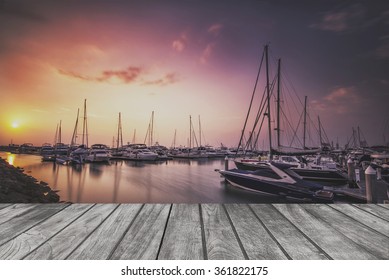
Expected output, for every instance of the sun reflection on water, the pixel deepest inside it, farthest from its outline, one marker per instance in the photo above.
(10, 158)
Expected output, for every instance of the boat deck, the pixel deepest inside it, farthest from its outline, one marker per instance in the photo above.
(194, 231)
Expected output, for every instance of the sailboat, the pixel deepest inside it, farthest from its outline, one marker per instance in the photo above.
(79, 152)
(269, 176)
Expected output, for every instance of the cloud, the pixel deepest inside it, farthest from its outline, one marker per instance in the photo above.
(207, 52)
(169, 78)
(342, 100)
(346, 19)
(215, 29)
(125, 76)
(180, 44)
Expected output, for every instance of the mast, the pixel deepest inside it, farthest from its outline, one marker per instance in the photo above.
(318, 118)
(59, 132)
(119, 138)
(305, 121)
(278, 103)
(85, 128)
(56, 135)
(268, 101)
(174, 139)
(359, 136)
(200, 130)
(152, 128)
(190, 132)
(74, 137)
(133, 137)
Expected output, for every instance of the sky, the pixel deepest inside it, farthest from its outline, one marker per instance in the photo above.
(192, 58)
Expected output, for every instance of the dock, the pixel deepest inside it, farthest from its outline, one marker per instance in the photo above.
(194, 231)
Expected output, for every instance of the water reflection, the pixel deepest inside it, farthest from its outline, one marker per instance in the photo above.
(10, 158)
(175, 181)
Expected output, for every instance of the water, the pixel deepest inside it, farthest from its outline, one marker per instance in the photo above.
(174, 181)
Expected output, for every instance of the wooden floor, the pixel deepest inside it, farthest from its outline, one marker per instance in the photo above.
(194, 231)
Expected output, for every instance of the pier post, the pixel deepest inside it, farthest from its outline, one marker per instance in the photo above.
(351, 170)
(226, 163)
(379, 174)
(370, 178)
(357, 175)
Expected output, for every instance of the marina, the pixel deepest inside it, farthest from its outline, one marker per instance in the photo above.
(194, 231)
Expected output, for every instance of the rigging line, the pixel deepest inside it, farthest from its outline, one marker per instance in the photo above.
(251, 102)
(291, 127)
(263, 118)
(259, 113)
(296, 130)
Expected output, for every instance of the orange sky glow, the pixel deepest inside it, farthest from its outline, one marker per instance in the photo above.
(138, 58)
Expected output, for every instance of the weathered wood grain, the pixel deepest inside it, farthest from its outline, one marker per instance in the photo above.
(144, 237)
(62, 244)
(374, 209)
(335, 244)
(182, 240)
(384, 205)
(363, 217)
(362, 235)
(15, 210)
(28, 241)
(100, 244)
(293, 241)
(221, 242)
(4, 205)
(26, 220)
(258, 244)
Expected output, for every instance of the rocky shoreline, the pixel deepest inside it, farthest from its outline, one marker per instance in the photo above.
(17, 187)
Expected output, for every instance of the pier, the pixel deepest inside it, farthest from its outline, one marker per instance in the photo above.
(194, 231)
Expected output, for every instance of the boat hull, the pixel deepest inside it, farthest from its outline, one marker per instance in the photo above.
(247, 181)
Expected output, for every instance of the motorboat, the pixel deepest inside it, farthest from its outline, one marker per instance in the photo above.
(277, 179)
(324, 172)
(98, 153)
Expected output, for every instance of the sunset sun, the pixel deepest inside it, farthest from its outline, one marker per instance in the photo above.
(15, 124)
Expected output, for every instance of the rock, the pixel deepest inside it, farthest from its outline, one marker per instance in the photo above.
(17, 187)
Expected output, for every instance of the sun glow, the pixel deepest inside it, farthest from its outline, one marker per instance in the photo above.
(15, 124)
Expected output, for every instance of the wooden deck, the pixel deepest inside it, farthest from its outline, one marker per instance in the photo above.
(194, 231)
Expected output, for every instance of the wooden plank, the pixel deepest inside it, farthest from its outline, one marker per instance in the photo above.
(182, 240)
(258, 244)
(26, 220)
(384, 205)
(377, 210)
(363, 217)
(144, 237)
(335, 244)
(362, 235)
(15, 210)
(221, 242)
(4, 205)
(293, 242)
(28, 241)
(100, 244)
(68, 239)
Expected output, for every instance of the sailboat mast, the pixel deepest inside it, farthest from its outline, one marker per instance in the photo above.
(59, 132)
(320, 139)
(152, 129)
(74, 137)
(190, 131)
(278, 103)
(305, 121)
(85, 128)
(200, 130)
(268, 101)
(119, 132)
(133, 137)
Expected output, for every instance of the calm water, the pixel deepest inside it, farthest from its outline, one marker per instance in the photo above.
(174, 181)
